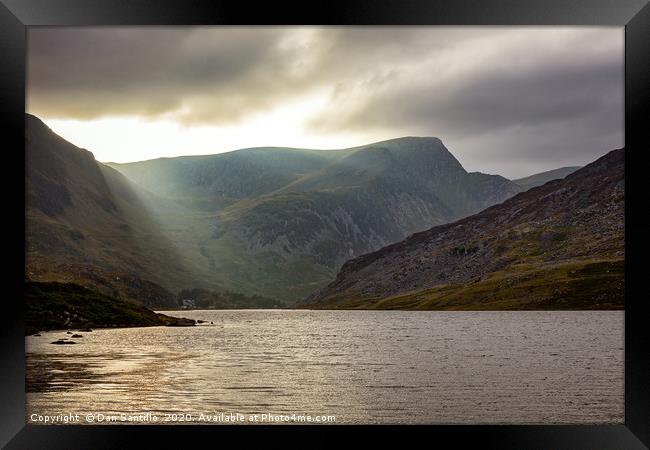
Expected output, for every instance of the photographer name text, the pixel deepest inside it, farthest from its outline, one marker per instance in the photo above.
(149, 417)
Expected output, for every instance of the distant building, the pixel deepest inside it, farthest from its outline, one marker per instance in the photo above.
(187, 303)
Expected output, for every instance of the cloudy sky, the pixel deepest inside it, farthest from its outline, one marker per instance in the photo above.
(506, 100)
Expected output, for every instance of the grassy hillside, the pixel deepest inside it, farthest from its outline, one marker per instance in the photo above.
(588, 284)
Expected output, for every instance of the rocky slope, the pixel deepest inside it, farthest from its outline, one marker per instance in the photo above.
(559, 245)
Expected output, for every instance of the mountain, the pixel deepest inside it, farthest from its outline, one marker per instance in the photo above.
(210, 182)
(87, 223)
(556, 246)
(541, 178)
(279, 222)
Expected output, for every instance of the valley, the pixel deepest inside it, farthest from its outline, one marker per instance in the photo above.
(273, 223)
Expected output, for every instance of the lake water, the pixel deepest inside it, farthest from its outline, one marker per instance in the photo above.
(359, 366)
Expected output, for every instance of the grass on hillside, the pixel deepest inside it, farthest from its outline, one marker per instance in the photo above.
(574, 285)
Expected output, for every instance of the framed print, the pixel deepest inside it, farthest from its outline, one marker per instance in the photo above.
(389, 217)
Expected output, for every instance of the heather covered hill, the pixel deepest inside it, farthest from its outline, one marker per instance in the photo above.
(556, 246)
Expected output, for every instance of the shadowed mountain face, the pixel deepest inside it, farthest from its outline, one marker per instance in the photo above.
(280, 222)
(556, 246)
(87, 223)
(541, 178)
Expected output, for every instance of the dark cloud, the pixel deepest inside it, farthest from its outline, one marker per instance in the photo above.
(492, 93)
(88, 73)
(513, 102)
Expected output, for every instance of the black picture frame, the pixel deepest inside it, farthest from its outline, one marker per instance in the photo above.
(634, 15)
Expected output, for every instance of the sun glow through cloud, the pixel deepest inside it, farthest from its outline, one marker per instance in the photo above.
(126, 139)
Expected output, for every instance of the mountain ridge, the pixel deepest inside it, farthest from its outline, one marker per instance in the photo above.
(538, 179)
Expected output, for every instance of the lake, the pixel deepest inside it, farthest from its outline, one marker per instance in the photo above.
(384, 367)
